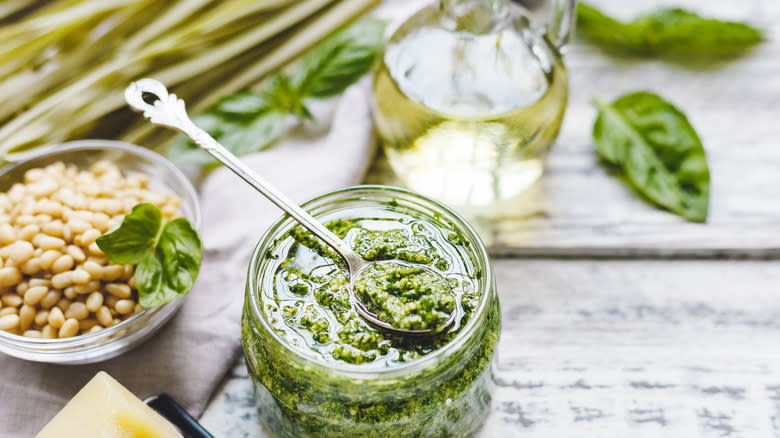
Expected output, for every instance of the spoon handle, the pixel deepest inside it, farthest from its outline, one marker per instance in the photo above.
(168, 110)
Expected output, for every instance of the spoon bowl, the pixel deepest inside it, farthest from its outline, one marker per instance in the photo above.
(150, 97)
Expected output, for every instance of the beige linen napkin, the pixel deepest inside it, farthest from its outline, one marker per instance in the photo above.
(189, 356)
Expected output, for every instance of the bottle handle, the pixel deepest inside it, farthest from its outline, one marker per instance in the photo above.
(557, 17)
(562, 25)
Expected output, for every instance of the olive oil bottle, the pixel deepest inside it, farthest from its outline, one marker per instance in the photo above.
(468, 100)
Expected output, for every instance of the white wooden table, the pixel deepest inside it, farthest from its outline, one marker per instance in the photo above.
(620, 320)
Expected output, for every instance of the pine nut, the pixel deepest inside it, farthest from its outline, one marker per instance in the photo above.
(47, 242)
(12, 300)
(54, 228)
(75, 252)
(32, 334)
(7, 234)
(26, 316)
(30, 267)
(19, 252)
(119, 290)
(69, 292)
(95, 328)
(35, 294)
(42, 317)
(94, 301)
(103, 315)
(9, 311)
(9, 322)
(78, 226)
(113, 272)
(83, 289)
(48, 258)
(9, 276)
(63, 304)
(28, 232)
(56, 317)
(86, 324)
(48, 332)
(80, 276)
(69, 328)
(50, 299)
(94, 269)
(62, 280)
(124, 307)
(77, 310)
(62, 264)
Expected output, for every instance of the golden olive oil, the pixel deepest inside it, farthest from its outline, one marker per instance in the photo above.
(468, 118)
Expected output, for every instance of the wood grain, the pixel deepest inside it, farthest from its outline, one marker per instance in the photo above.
(579, 209)
(617, 349)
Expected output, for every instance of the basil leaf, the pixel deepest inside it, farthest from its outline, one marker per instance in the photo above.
(168, 255)
(658, 150)
(181, 253)
(153, 289)
(673, 32)
(243, 103)
(136, 237)
(339, 60)
(171, 271)
(240, 137)
(256, 135)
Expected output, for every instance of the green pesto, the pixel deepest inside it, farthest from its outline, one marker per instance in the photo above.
(406, 297)
(309, 310)
(311, 299)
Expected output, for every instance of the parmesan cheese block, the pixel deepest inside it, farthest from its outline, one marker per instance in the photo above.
(105, 409)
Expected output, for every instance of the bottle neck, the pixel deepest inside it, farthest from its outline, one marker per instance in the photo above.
(475, 16)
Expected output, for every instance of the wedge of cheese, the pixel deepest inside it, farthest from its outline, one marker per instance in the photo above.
(105, 409)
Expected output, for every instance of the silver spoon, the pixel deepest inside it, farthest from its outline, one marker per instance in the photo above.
(168, 110)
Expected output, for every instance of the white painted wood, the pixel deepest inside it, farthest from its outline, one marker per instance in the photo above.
(617, 349)
(578, 209)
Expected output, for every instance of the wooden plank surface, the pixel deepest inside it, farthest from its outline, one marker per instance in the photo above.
(617, 349)
(578, 209)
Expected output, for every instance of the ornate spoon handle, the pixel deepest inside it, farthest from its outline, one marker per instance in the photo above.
(168, 110)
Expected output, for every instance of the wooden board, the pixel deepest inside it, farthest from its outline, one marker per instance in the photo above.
(617, 349)
(578, 209)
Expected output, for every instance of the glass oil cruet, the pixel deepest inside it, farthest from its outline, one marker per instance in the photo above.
(470, 95)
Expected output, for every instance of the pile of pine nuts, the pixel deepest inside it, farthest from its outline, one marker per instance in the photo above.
(54, 280)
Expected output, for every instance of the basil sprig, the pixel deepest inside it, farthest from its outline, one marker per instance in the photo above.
(656, 147)
(249, 121)
(167, 253)
(674, 33)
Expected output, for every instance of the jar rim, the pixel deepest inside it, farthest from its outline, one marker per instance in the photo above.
(360, 372)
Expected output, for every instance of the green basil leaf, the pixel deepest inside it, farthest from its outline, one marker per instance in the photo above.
(256, 135)
(136, 237)
(339, 60)
(242, 138)
(658, 150)
(243, 103)
(153, 289)
(673, 32)
(181, 252)
(171, 271)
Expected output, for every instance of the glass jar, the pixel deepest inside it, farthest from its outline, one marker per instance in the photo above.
(469, 97)
(444, 393)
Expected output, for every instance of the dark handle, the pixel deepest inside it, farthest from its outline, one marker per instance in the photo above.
(173, 412)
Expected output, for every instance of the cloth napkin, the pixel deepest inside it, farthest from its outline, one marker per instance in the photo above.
(188, 357)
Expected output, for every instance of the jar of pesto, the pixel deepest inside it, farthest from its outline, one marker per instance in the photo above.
(321, 371)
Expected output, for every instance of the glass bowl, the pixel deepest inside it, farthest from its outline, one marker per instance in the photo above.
(114, 340)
